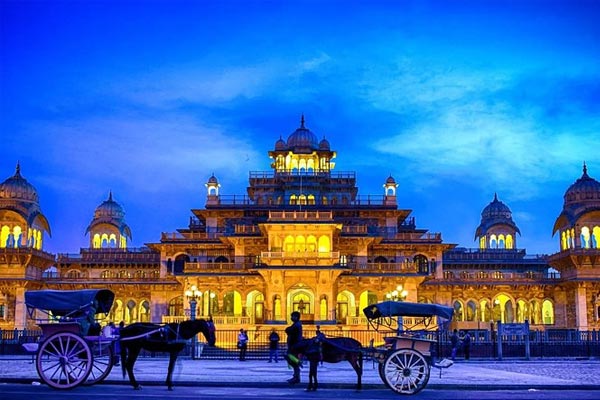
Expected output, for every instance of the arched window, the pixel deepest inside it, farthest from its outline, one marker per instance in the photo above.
(324, 244)
(96, 241)
(485, 311)
(548, 312)
(74, 274)
(482, 242)
(323, 309)
(509, 242)
(421, 262)
(144, 311)
(596, 237)
(176, 306)
(301, 303)
(4, 236)
(180, 261)
(585, 237)
(471, 311)
(131, 312)
(493, 242)
(288, 244)
(458, 311)
(17, 235)
(501, 242)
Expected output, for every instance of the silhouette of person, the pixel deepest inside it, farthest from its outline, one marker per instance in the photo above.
(294, 335)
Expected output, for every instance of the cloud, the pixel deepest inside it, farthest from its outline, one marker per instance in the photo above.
(146, 155)
(216, 86)
(497, 130)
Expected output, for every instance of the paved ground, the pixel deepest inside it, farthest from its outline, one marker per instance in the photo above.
(559, 373)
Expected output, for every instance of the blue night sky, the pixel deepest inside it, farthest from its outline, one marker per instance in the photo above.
(456, 100)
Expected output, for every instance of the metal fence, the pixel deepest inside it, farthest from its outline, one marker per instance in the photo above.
(484, 343)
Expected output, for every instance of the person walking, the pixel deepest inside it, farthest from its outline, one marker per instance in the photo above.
(454, 341)
(242, 344)
(273, 346)
(294, 335)
(466, 342)
(320, 338)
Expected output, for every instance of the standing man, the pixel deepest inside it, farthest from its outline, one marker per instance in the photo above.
(242, 344)
(273, 346)
(467, 345)
(294, 335)
(454, 342)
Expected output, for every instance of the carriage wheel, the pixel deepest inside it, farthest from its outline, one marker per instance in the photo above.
(64, 360)
(405, 371)
(103, 353)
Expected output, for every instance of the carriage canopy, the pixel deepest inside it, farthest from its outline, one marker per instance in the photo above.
(66, 302)
(405, 309)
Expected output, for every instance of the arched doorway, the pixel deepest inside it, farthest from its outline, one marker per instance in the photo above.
(301, 299)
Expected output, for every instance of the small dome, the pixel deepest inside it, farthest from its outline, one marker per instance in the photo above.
(584, 188)
(581, 197)
(17, 187)
(280, 144)
(213, 179)
(303, 138)
(111, 213)
(391, 180)
(495, 213)
(324, 145)
(109, 209)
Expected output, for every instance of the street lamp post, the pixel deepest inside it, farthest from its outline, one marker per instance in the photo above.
(399, 294)
(193, 294)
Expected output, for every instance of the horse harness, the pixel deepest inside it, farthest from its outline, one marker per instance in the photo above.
(163, 331)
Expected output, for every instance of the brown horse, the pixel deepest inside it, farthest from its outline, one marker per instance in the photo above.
(170, 338)
(331, 350)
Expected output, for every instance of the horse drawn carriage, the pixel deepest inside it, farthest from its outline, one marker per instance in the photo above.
(71, 350)
(405, 359)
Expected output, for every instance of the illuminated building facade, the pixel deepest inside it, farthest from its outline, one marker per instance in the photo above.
(302, 239)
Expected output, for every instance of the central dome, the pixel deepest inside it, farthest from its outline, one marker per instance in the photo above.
(303, 138)
(17, 187)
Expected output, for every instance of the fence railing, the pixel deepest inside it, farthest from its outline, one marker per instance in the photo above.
(549, 344)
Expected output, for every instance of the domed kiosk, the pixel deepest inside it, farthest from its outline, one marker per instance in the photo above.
(108, 228)
(22, 223)
(579, 221)
(497, 229)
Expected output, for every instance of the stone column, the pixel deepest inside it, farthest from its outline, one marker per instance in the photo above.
(581, 307)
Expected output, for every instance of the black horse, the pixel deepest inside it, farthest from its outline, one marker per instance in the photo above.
(331, 350)
(170, 338)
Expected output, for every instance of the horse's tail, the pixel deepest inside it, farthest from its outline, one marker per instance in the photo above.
(123, 357)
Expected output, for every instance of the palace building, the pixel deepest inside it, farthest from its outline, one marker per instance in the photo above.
(302, 239)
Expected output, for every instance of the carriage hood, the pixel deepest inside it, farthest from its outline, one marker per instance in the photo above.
(405, 309)
(64, 302)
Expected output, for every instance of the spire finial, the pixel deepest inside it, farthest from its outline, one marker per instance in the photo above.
(18, 168)
(302, 121)
(495, 196)
(110, 195)
(584, 168)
